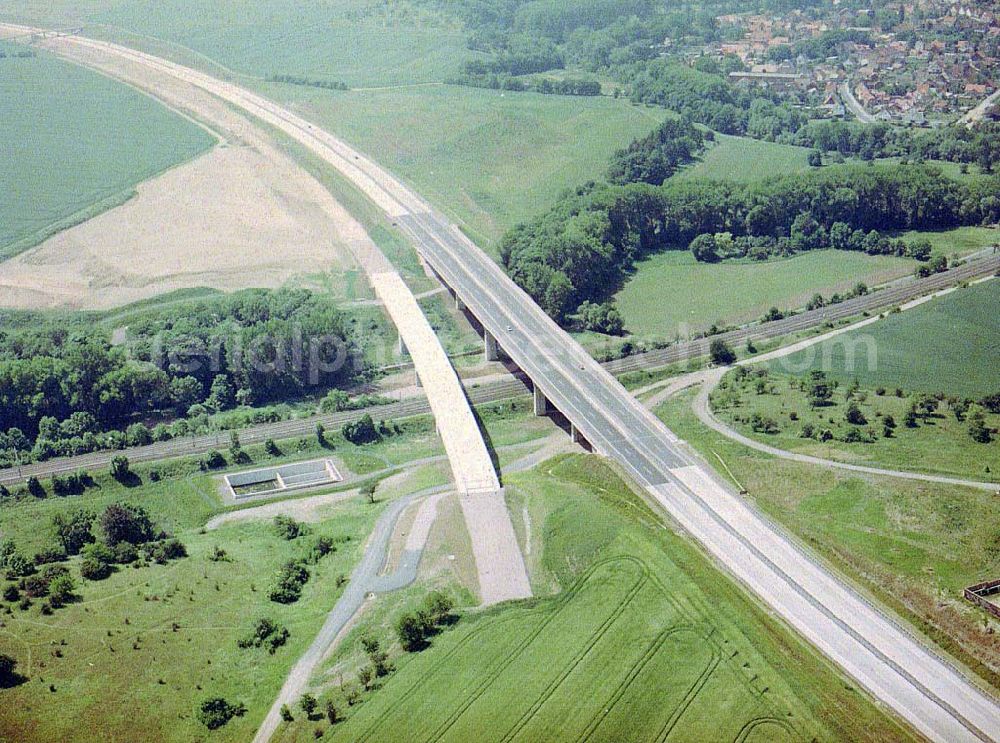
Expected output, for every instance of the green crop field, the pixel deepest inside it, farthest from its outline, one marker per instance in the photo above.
(671, 292)
(743, 160)
(339, 40)
(915, 545)
(948, 345)
(487, 158)
(98, 140)
(644, 642)
(939, 443)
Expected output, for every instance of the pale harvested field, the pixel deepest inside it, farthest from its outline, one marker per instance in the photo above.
(242, 215)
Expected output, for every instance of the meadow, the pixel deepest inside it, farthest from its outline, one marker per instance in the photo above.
(98, 141)
(641, 640)
(671, 292)
(958, 242)
(946, 345)
(743, 160)
(164, 636)
(913, 545)
(938, 443)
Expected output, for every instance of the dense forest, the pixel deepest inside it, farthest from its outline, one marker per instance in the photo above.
(65, 389)
(582, 249)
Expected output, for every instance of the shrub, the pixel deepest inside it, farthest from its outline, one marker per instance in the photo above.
(73, 530)
(720, 352)
(213, 460)
(50, 555)
(121, 469)
(362, 431)
(93, 569)
(216, 712)
(61, 589)
(35, 487)
(854, 416)
(288, 528)
(286, 714)
(288, 585)
(308, 704)
(7, 670)
(125, 522)
(266, 633)
(271, 448)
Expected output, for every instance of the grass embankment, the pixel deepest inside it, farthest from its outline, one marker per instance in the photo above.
(938, 442)
(642, 640)
(99, 139)
(487, 158)
(946, 345)
(915, 545)
(672, 293)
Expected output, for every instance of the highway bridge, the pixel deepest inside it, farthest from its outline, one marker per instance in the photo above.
(937, 699)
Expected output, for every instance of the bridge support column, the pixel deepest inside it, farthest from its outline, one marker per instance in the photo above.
(575, 436)
(401, 347)
(541, 404)
(459, 304)
(490, 344)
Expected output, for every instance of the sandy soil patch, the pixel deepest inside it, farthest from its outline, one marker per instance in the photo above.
(244, 214)
(311, 510)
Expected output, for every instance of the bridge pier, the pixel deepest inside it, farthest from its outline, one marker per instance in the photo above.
(491, 347)
(575, 436)
(459, 304)
(541, 403)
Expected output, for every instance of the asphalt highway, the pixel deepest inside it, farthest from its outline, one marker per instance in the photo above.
(925, 689)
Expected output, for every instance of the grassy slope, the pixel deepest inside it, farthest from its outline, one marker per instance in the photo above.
(915, 545)
(672, 292)
(487, 158)
(636, 598)
(940, 444)
(947, 345)
(99, 139)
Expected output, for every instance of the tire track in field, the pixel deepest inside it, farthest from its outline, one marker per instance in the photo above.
(654, 647)
(575, 661)
(564, 601)
(481, 689)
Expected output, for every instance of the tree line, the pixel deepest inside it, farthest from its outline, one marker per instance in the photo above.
(65, 389)
(582, 249)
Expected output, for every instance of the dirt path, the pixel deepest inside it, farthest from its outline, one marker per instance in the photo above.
(311, 510)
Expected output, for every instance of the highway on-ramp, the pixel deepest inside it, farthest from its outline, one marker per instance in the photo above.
(924, 689)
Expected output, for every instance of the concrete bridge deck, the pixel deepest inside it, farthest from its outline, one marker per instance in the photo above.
(470, 460)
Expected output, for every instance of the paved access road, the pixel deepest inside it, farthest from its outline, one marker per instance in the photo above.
(847, 95)
(888, 661)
